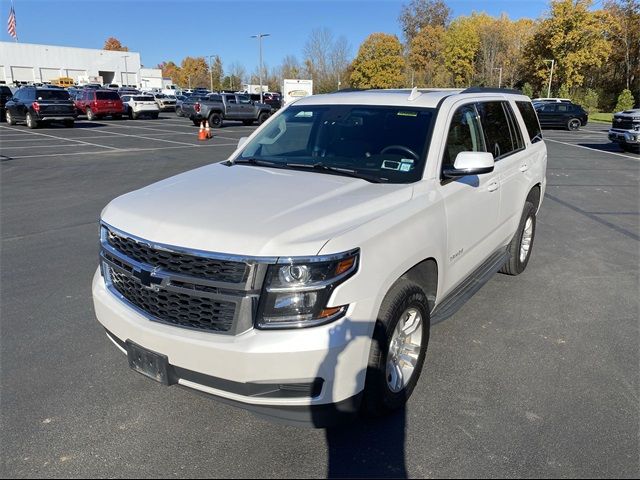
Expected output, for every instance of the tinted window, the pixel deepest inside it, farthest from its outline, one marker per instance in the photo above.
(530, 120)
(144, 98)
(465, 135)
(214, 98)
(52, 95)
(496, 128)
(244, 99)
(107, 96)
(563, 108)
(517, 141)
(231, 99)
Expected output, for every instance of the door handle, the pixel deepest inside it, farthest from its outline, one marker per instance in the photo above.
(524, 167)
(493, 186)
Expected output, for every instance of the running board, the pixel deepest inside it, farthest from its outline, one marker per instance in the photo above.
(469, 287)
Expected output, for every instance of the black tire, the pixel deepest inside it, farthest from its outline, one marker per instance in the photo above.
(215, 120)
(117, 117)
(31, 122)
(9, 118)
(179, 112)
(134, 115)
(69, 123)
(262, 118)
(516, 264)
(130, 113)
(378, 398)
(90, 115)
(574, 124)
(247, 123)
(155, 116)
(196, 122)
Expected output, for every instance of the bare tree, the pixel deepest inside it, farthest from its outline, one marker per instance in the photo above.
(326, 59)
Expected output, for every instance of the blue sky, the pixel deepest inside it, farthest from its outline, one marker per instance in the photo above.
(172, 29)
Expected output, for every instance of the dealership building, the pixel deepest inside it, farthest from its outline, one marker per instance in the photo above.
(31, 63)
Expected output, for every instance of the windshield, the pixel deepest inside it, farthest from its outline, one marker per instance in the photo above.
(144, 98)
(387, 144)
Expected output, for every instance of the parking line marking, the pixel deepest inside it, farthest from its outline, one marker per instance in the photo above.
(592, 149)
(154, 139)
(65, 139)
(41, 146)
(122, 150)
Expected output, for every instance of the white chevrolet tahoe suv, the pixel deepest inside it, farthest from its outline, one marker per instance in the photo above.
(300, 278)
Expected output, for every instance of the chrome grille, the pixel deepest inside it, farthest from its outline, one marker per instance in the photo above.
(184, 264)
(624, 123)
(186, 288)
(190, 311)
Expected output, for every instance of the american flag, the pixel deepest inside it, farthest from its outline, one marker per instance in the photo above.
(11, 23)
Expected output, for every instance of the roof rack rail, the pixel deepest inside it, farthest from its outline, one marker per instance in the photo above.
(491, 90)
(346, 90)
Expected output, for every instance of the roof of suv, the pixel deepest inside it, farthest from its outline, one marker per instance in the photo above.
(426, 98)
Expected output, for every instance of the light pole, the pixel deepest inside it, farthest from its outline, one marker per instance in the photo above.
(126, 70)
(210, 57)
(499, 78)
(259, 37)
(553, 62)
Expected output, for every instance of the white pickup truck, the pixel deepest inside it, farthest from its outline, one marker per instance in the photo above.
(300, 278)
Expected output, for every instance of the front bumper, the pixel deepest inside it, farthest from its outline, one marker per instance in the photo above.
(625, 136)
(244, 369)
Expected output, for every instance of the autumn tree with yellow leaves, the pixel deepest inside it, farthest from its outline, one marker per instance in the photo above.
(379, 63)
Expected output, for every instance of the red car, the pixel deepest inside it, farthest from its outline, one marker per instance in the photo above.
(96, 104)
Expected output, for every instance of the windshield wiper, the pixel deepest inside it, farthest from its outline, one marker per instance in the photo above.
(254, 161)
(347, 172)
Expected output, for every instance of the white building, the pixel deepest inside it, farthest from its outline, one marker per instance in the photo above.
(151, 78)
(26, 62)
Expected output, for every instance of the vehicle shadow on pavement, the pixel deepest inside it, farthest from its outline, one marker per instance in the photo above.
(357, 446)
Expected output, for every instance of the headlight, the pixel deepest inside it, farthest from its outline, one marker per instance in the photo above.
(296, 291)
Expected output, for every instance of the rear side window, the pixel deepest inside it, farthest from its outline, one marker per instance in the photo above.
(107, 96)
(530, 120)
(496, 128)
(514, 128)
(465, 135)
(215, 98)
(52, 95)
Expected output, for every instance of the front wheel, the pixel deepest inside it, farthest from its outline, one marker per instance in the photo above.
(179, 112)
(521, 245)
(398, 349)
(574, 124)
(90, 115)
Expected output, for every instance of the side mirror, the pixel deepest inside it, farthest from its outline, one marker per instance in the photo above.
(470, 163)
(242, 142)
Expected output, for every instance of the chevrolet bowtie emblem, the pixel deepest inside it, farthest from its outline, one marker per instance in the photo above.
(147, 279)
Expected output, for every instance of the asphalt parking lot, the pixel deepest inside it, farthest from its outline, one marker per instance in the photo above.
(537, 376)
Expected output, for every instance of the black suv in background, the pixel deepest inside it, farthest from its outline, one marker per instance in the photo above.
(562, 114)
(36, 105)
(5, 95)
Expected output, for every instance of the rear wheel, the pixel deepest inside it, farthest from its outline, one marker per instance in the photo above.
(69, 123)
(215, 120)
(522, 243)
(262, 118)
(31, 122)
(10, 119)
(196, 122)
(398, 349)
(574, 124)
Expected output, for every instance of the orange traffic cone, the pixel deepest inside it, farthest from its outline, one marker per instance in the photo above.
(207, 129)
(202, 135)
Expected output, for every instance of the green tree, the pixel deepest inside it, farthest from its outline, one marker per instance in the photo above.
(217, 73)
(625, 33)
(527, 90)
(625, 101)
(461, 50)
(379, 63)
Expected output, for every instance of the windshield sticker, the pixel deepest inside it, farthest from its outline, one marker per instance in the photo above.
(407, 114)
(406, 165)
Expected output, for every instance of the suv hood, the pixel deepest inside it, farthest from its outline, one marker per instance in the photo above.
(255, 211)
